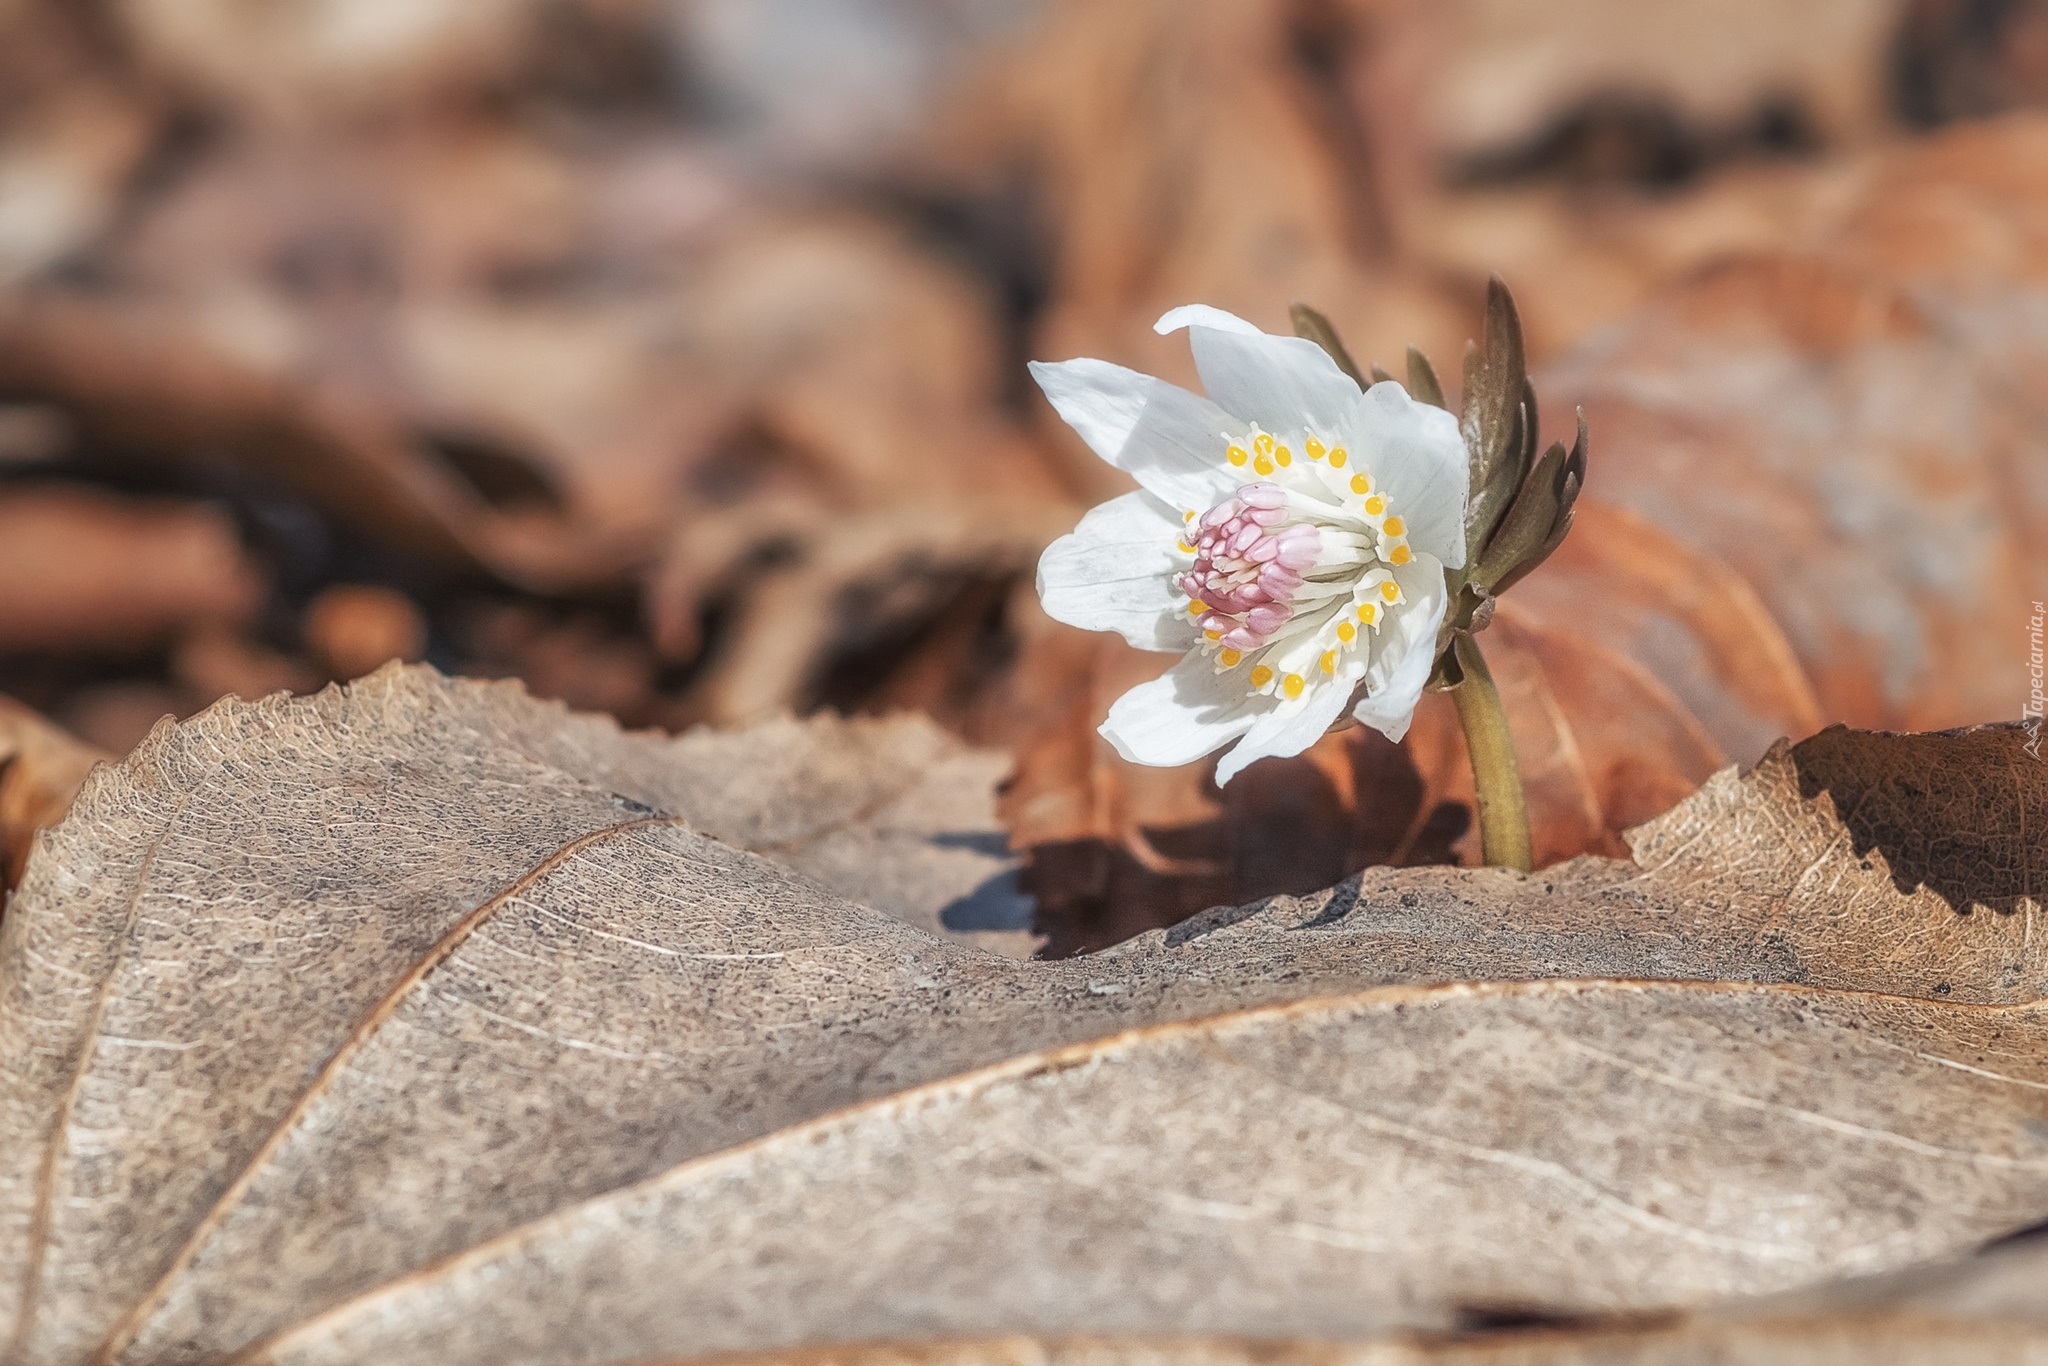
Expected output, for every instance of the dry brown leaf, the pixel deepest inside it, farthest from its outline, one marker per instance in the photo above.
(41, 768)
(1856, 430)
(1020, 1350)
(297, 62)
(458, 963)
(577, 370)
(1579, 261)
(352, 629)
(1311, 163)
(1241, 176)
(71, 135)
(838, 585)
(215, 664)
(86, 571)
(142, 390)
(1952, 64)
(1681, 615)
(1963, 213)
(116, 716)
(648, 338)
(1985, 1310)
(1343, 1167)
(1509, 70)
(1602, 745)
(1113, 848)
(1899, 1338)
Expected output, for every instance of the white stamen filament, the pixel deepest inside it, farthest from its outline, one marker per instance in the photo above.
(1283, 562)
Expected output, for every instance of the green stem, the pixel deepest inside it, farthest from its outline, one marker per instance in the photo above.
(1503, 810)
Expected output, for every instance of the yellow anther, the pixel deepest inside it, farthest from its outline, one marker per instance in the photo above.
(1236, 455)
(1196, 607)
(1394, 526)
(1329, 661)
(1282, 456)
(1346, 632)
(1360, 483)
(1313, 447)
(1375, 505)
(1261, 676)
(1263, 463)
(1230, 658)
(1337, 458)
(1294, 683)
(1367, 611)
(1185, 548)
(1391, 591)
(1400, 554)
(1213, 635)
(1263, 444)
(1188, 516)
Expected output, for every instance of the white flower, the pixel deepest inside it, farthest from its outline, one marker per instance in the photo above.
(1290, 534)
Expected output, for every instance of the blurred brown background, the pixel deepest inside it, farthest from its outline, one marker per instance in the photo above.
(668, 354)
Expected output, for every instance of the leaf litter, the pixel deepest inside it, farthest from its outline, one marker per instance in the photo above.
(420, 1020)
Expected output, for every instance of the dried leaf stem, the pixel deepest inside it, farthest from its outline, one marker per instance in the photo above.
(1503, 810)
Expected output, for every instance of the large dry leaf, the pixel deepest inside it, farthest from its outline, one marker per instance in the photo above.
(307, 996)
(1337, 1168)
(1984, 1311)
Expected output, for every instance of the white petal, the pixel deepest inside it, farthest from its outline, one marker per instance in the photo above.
(1189, 711)
(1284, 384)
(1169, 440)
(1417, 458)
(1288, 730)
(1405, 651)
(1114, 572)
(1202, 315)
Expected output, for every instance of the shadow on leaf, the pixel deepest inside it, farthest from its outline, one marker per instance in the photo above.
(1958, 812)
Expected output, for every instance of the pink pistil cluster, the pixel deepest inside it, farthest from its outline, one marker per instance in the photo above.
(1249, 560)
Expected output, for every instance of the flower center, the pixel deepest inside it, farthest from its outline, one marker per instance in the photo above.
(1293, 571)
(1249, 562)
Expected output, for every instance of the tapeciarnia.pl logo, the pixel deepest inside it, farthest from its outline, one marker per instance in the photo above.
(2033, 713)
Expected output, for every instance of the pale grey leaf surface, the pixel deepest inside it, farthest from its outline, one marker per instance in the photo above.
(308, 996)
(1336, 1169)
